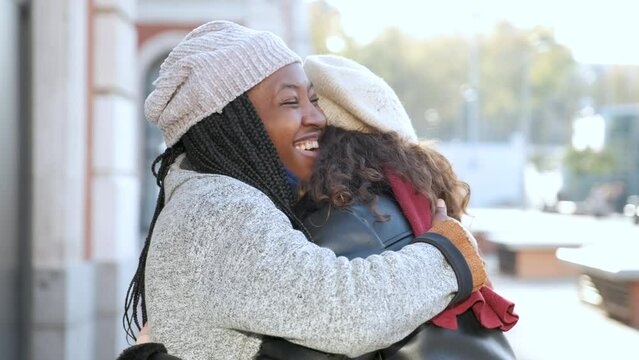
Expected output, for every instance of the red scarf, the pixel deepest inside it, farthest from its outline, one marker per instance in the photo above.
(492, 310)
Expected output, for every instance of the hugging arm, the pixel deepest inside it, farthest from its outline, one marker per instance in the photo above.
(249, 266)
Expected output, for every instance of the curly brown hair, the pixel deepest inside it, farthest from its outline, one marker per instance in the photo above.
(351, 165)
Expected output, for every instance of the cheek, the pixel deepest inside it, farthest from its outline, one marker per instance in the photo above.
(282, 127)
(284, 151)
(281, 136)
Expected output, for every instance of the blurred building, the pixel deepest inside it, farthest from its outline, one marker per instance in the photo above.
(76, 158)
(605, 156)
(493, 170)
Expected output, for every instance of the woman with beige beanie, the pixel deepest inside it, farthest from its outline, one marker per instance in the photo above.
(227, 259)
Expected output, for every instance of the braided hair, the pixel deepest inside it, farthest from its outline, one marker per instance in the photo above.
(232, 143)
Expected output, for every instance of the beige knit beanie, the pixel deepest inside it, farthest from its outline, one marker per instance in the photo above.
(354, 98)
(213, 65)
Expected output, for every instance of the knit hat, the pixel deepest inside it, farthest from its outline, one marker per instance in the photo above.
(354, 98)
(213, 65)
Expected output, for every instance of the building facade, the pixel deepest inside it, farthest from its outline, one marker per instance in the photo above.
(75, 182)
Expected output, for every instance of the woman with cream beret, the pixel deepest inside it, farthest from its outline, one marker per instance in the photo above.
(378, 183)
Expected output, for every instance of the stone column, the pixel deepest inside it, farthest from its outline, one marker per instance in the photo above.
(63, 296)
(85, 180)
(115, 179)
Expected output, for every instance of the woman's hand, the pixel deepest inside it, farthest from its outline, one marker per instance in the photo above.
(441, 213)
(143, 337)
(463, 240)
(145, 349)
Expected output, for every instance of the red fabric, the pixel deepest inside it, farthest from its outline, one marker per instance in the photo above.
(492, 310)
(415, 206)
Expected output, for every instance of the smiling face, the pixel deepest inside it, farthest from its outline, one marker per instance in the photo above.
(287, 104)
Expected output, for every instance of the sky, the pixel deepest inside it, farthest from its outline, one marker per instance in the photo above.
(597, 31)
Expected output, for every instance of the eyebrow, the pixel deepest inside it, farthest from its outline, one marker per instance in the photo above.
(294, 87)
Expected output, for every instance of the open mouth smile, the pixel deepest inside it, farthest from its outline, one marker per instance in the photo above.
(307, 145)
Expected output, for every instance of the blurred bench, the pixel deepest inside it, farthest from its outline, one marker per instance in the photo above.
(531, 255)
(610, 277)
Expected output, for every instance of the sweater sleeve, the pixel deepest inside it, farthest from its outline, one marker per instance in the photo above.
(238, 258)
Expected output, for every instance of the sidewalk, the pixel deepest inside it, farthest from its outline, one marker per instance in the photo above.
(554, 324)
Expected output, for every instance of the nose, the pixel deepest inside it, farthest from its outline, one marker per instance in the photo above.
(314, 117)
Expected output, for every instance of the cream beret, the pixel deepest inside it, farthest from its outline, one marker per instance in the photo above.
(354, 98)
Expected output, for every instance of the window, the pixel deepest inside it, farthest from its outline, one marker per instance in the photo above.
(153, 146)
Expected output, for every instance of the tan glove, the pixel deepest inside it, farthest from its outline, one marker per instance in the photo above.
(463, 240)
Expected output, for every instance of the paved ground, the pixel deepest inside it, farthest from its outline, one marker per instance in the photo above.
(554, 324)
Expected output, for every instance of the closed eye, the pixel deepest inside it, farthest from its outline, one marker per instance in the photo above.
(290, 102)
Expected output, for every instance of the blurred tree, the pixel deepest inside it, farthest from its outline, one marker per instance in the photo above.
(427, 76)
(503, 64)
(590, 162)
(520, 63)
(326, 25)
(614, 85)
(430, 76)
(556, 89)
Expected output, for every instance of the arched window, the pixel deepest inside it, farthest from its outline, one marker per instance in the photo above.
(154, 145)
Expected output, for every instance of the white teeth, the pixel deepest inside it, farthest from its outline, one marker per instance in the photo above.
(307, 145)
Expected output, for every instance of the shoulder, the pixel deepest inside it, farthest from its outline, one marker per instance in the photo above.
(203, 201)
(213, 214)
(355, 231)
(190, 189)
(186, 182)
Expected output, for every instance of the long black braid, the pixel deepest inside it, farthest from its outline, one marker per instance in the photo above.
(135, 292)
(234, 143)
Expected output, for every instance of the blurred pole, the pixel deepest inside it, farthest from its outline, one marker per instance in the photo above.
(610, 91)
(525, 99)
(472, 98)
(525, 117)
(15, 180)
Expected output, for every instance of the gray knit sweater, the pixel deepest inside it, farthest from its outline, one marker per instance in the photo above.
(225, 265)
